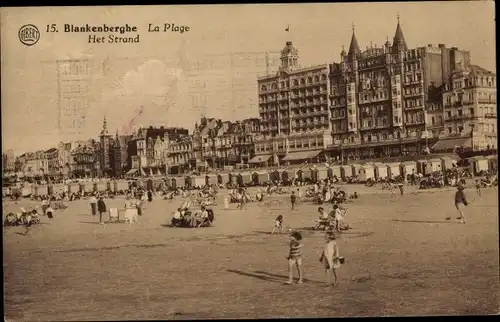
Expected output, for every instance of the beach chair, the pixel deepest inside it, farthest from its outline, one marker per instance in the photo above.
(114, 215)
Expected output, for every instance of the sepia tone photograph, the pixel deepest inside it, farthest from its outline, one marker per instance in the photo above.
(249, 161)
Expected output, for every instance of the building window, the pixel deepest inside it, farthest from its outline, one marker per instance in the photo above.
(449, 130)
(433, 121)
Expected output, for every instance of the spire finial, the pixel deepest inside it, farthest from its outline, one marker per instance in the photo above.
(398, 17)
(353, 27)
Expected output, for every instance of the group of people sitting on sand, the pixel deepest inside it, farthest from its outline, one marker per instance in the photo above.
(184, 217)
(332, 220)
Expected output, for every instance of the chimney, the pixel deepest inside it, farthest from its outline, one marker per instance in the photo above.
(454, 48)
(441, 46)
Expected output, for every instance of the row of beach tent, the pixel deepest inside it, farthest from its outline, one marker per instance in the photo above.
(315, 173)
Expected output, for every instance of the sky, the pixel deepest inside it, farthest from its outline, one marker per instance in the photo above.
(210, 70)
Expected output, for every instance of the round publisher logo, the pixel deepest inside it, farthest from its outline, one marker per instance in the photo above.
(29, 35)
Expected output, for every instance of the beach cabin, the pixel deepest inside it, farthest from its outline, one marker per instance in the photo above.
(319, 173)
(199, 181)
(304, 174)
(393, 169)
(345, 171)
(222, 178)
(408, 167)
(211, 179)
(447, 163)
(274, 175)
(478, 164)
(245, 178)
(73, 187)
(260, 177)
(41, 190)
(86, 187)
(335, 170)
(60, 188)
(422, 166)
(121, 185)
(355, 169)
(433, 165)
(380, 170)
(492, 163)
(284, 175)
(173, 183)
(188, 182)
(366, 172)
(101, 186)
(233, 178)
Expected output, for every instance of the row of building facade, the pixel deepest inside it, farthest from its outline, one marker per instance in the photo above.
(149, 151)
(381, 101)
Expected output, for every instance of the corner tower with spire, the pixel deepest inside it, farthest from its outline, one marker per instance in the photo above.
(399, 42)
(106, 151)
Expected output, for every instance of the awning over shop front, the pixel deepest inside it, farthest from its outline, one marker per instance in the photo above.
(305, 155)
(451, 143)
(260, 159)
(132, 171)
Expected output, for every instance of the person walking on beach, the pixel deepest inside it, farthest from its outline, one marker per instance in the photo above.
(93, 205)
(478, 188)
(330, 257)
(150, 195)
(401, 187)
(295, 257)
(293, 199)
(101, 207)
(460, 203)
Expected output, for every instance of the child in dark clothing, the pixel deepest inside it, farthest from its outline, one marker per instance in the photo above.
(101, 207)
(293, 199)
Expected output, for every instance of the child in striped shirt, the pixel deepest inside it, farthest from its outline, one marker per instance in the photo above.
(295, 257)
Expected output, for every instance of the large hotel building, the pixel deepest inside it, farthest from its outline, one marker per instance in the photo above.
(378, 102)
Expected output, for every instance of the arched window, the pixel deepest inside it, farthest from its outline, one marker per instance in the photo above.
(316, 78)
(302, 81)
(309, 80)
(295, 82)
(263, 88)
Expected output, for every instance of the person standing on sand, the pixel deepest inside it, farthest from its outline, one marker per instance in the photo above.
(93, 205)
(295, 257)
(478, 188)
(293, 200)
(101, 207)
(401, 187)
(330, 257)
(460, 203)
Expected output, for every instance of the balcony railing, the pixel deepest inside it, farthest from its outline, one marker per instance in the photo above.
(338, 117)
(460, 117)
(419, 107)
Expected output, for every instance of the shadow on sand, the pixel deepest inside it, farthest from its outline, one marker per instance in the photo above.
(105, 222)
(265, 276)
(428, 221)
(265, 232)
